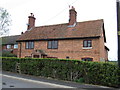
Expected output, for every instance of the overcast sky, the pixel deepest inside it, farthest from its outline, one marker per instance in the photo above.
(48, 12)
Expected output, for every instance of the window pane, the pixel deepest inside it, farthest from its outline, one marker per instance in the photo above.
(89, 43)
(67, 57)
(15, 45)
(52, 44)
(55, 44)
(49, 44)
(85, 43)
(87, 59)
(8, 46)
(83, 59)
(31, 45)
(27, 45)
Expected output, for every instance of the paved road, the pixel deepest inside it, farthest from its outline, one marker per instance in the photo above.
(13, 80)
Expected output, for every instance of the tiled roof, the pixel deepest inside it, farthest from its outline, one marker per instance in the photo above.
(60, 31)
(9, 39)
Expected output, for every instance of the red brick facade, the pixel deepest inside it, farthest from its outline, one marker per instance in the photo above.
(68, 48)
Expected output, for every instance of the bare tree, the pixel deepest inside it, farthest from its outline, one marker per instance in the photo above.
(5, 22)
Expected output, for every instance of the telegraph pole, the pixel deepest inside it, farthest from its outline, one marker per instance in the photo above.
(118, 30)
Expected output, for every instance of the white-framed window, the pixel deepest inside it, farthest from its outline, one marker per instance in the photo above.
(8, 46)
(15, 46)
(87, 43)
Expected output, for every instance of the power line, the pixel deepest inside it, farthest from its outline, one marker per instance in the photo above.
(59, 13)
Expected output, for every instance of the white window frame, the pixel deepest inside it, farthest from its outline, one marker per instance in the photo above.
(8, 46)
(15, 46)
(88, 44)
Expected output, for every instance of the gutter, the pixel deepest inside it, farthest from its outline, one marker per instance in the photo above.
(59, 39)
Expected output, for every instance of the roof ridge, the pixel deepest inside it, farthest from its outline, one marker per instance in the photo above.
(67, 23)
(91, 20)
(10, 36)
(51, 25)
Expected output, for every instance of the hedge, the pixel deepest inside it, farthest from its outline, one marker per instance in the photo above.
(97, 73)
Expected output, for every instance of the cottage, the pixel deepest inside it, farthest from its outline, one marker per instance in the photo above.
(9, 44)
(72, 40)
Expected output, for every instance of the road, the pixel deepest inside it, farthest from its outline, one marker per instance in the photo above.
(13, 80)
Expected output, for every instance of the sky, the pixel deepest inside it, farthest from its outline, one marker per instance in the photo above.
(49, 12)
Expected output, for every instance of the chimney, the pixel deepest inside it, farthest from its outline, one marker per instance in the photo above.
(31, 21)
(72, 16)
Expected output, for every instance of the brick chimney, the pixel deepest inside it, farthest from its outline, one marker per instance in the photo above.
(72, 16)
(31, 21)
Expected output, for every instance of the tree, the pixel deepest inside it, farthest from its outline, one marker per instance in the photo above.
(5, 22)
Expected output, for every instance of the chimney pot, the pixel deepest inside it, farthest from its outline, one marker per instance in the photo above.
(73, 7)
(32, 14)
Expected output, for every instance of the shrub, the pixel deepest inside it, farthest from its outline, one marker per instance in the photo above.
(70, 70)
(8, 54)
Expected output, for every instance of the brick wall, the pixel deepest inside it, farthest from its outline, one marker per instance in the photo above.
(71, 48)
(103, 52)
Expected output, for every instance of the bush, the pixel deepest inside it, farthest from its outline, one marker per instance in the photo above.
(8, 54)
(70, 70)
(9, 64)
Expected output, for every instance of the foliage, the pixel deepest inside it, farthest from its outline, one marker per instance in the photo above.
(70, 70)
(9, 64)
(8, 54)
(113, 62)
(5, 21)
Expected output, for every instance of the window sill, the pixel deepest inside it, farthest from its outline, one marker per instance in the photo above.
(29, 48)
(52, 48)
(87, 48)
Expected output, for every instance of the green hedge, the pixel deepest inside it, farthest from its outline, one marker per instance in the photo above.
(70, 70)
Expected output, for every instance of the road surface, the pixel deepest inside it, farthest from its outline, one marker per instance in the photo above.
(13, 80)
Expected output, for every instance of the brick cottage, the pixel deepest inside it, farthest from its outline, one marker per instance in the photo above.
(9, 44)
(73, 40)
